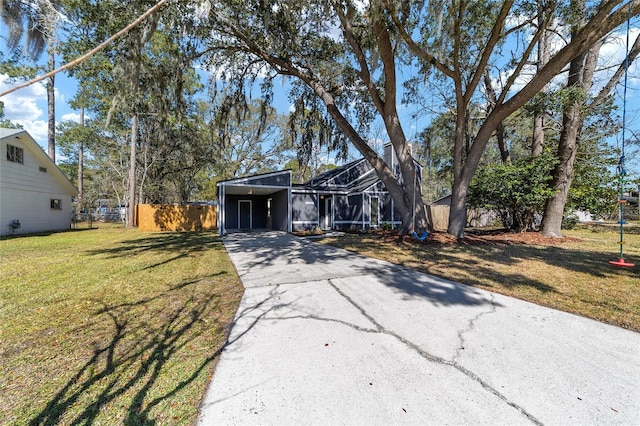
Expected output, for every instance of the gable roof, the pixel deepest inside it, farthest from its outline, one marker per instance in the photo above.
(30, 144)
(344, 177)
(328, 177)
(356, 176)
(257, 178)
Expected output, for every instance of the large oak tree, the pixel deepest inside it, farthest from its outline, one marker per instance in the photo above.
(342, 54)
(460, 39)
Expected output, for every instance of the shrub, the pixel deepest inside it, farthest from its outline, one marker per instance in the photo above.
(570, 221)
(514, 191)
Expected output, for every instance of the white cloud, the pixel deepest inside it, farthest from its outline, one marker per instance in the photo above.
(72, 116)
(22, 104)
(23, 107)
(612, 54)
(28, 107)
(38, 130)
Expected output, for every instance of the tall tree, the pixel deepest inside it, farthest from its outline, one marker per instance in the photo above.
(150, 72)
(353, 73)
(41, 19)
(578, 104)
(247, 142)
(459, 40)
(544, 51)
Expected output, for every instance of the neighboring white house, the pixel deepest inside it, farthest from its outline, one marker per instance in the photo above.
(35, 196)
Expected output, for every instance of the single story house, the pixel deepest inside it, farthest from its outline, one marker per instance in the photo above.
(347, 197)
(35, 196)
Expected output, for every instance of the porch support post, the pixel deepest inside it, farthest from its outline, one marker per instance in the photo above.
(221, 196)
(289, 217)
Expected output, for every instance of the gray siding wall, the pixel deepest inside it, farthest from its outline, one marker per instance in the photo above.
(258, 211)
(280, 210)
(341, 208)
(355, 208)
(304, 207)
(385, 208)
(304, 211)
(231, 211)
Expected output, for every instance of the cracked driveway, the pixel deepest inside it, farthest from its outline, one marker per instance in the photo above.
(323, 336)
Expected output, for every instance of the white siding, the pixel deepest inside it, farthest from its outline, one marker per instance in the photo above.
(26, 194)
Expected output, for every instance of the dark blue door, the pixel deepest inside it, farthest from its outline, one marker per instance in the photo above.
(244, 214)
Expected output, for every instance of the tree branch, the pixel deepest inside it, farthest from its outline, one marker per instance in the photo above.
(414, 47)
(92, 51)
(516, 73)
(613, 81)
(496, 32)
(364, 72)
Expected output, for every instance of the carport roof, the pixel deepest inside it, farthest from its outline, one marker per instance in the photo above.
(251, 190)
(260, 184)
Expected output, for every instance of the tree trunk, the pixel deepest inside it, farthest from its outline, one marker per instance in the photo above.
(505, 156)
(458, 209)
(51, 104)
(80, 203)
(581, 73)
(132, 173)
(537, 143)
(563, 173)
(538, 134)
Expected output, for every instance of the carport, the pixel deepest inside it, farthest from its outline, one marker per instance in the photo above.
(258, 202)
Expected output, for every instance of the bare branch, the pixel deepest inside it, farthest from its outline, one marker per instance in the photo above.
(364, 72)
(613, 81)
(91, 52)
(415, 48)
(496, 32)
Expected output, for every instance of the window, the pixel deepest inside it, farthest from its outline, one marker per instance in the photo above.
(43, 169)
(15, 154)
(56, 204)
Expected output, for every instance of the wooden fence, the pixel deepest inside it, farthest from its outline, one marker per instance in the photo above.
(163, 217)
(438, 216)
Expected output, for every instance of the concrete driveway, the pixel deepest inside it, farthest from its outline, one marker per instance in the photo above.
(323, 336)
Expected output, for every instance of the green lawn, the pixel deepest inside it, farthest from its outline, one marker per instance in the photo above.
(573, 275)
(111, 326)
(114, 326)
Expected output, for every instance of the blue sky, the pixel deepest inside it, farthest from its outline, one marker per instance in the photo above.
(28, 106)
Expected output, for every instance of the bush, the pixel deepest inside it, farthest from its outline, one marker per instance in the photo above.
(386, 226)
(516, 192)
(570, 221)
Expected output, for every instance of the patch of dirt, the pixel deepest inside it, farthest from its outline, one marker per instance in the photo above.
(484, 238)
(308, 232)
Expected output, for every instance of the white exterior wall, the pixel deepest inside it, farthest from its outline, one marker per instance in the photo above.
(26, 192)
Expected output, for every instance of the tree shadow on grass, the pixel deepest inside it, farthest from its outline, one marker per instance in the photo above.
(566, 277)
(146, 353)
(179, 244)
(592, 263)
(479, 261)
